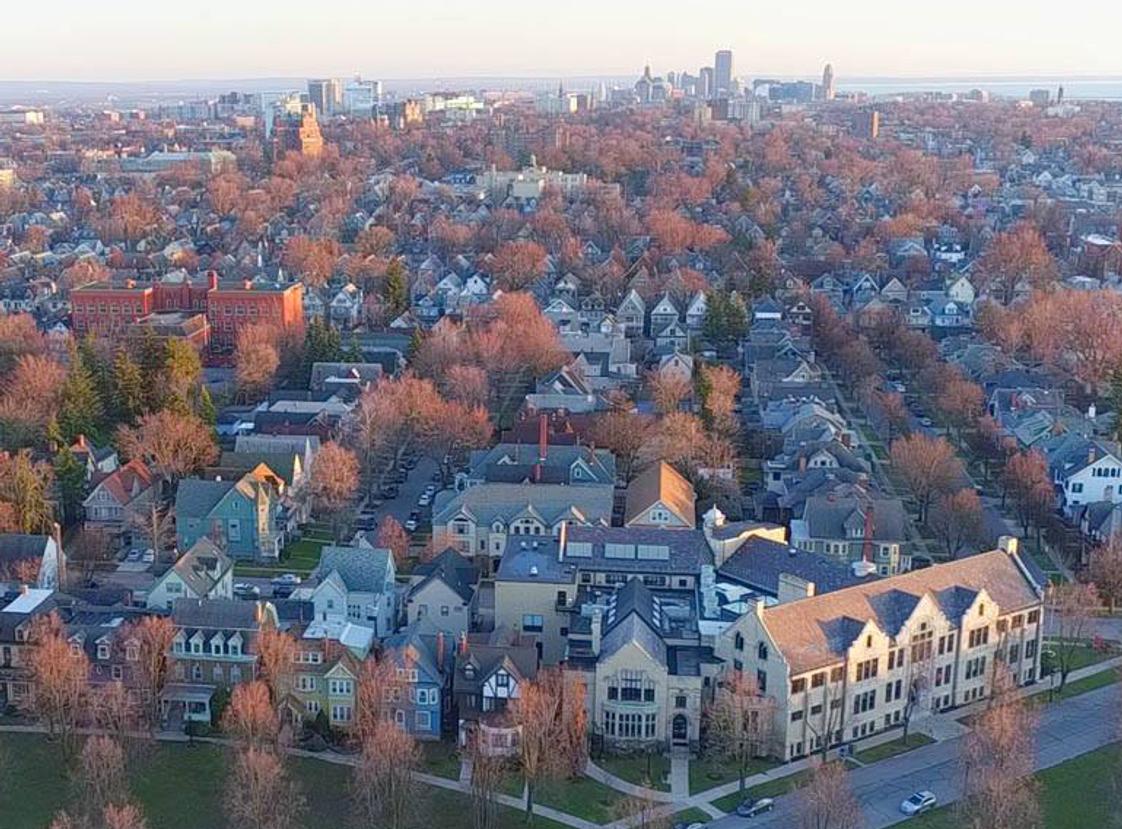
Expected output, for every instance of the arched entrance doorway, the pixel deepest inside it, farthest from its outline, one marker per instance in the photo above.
(680, 729)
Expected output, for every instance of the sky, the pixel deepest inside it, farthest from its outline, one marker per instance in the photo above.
(131, 40)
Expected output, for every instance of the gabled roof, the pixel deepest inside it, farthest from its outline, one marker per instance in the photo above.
(452, 569)
(362, 569)
(661, 483)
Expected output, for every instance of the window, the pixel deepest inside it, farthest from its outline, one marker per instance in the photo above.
(311, 706)
(680, 701)
(816, 709)
(305, 682)
(761, 681)
(798, 685)
(502, 679)
(341, 713)
(102, 650)
(532, 623)
(796, 716)
(979, 636)
(423, 720)
(738, 641)
(975, 667)
(867, 669)
(340, 687)
(818, 680)
(865, 702)
(1030, 649)
(1033, 617)
(117, 672)
(132, 653)
(761, 651)
(837, 674)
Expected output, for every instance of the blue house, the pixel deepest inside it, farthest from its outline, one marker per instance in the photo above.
(423, 658)
(242, 516)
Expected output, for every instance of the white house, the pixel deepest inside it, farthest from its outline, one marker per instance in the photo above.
(203, 572)
(354, 584)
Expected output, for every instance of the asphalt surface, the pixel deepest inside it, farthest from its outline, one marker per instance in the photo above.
(1066, 730)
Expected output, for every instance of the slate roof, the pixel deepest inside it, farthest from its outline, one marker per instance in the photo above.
(760, 561)
(451, 568)
(203, 566)
(502, 501)
(195, 497)
(816, 631)
(362, 569)
(686, 550)
(826, 517)
(17, 547)
(215, 614)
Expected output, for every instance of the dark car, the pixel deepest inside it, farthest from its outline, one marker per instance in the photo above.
(752, 806)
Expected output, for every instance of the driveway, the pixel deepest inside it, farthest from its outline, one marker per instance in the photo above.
(1066, 730)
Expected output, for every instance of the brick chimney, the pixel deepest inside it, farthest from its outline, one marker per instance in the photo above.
(543, 447)
(463, 643)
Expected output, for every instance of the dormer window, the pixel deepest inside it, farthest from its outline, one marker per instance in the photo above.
(102, 650)
(469, 671)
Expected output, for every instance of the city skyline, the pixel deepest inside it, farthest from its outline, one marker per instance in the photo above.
(860, 39)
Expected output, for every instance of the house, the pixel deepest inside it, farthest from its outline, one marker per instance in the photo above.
(328, 667)
(863, 659)
(478, 521)
(672, 337)
(678, 364)
(422, 657)
(1084, 470)
(489, 670)
(443, 590)
(664, 313)
(544, 463)
(215, 647)
(355, 584)
(632, 313)
(97, 460)
(645, 668)
(242, 516)
(31, 559)
(120, 496)
(19, 611)
(855, 528)
(345, 308)
(696, 312)
(660, 496)
(203, 572)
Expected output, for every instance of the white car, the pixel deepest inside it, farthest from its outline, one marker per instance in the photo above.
(411, 525)
(286, 578)
(918, 803)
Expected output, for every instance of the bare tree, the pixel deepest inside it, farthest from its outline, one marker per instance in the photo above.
(488, 770)
(928, 466)
(997, 763)
(1073, 605)
(826, 801)
(260, 794)
(740, 722)
(384, 788)
(1106, 572)
(152, 637)
(334, 477)
(639, 811)
(276, 656)
(250, 715)
(58, 679)
(89, 549)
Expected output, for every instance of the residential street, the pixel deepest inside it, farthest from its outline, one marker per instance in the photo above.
(1066, 730)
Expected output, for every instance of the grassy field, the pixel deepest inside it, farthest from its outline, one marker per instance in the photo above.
(707, 772)
(583, 797)
(298, 557)
(691, 815)
(633, 769)
(1074, 795)
(180, 787)
(771, 788)
(892, 748)
(441, 759)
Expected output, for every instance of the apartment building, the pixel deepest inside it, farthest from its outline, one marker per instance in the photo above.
(857, 661)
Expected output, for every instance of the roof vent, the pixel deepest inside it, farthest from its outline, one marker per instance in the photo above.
(863, 568)
(792, 551)
(534, 570)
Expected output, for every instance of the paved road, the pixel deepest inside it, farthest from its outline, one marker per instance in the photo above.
(1066, 730)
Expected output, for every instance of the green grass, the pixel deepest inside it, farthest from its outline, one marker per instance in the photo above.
(633, 769)
(298, 557)
(180, 787)
(1074, 795)
(691, 815)
(772, 788)
(583, 797)
(707, 772)
(1083, 655)
(892, 748)
(440, 758)
(1081, 686)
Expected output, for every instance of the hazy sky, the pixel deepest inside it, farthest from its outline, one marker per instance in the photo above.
(166, 40)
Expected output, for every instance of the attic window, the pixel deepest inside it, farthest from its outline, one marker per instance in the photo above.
(868, 641)
(469, 671)
(982, 609)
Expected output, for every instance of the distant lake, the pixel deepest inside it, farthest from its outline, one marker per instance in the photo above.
(1074, 88)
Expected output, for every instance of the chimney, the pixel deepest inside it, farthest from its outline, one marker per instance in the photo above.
(1091, 454)
(60, 564)
(1091, 412)
(440, 650)
(258, 612)
(802, 463)
(597, 630)
(212, 280)
(463, 643)
(562, 539)
(247, 284)
(1008, 543)
(543, 446)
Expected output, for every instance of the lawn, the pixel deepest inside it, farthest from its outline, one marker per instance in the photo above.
(691, 815)
(772, 788)
(441, 758)
(892, 748)
(1076, 687)
(707, 772)
(583, 797)
(634, 769)
(298, 557)
(1081, 655)
(1074, 795)
(180, 787)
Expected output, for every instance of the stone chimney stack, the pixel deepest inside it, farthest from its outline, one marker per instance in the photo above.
(597, 630)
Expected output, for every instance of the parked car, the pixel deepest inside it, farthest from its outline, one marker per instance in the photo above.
(287, 578)
(918, 803)
(411, 525)
(246, 591)
(148, 556)
(134, 555)
(926, 421)
(424, 500)
(390, 491)
(430, 490)
(752, 806)
(283, 591)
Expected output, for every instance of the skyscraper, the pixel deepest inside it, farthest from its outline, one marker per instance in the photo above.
(828, 83)
(326, 94)
(722, 74)
(705, 83)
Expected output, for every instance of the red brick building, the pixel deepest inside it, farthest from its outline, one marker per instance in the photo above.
(114, 310)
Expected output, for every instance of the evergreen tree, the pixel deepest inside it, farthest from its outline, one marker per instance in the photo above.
(151, 357)
(397, 289)
(99, 368)
(80, 410)
(182, 374)
(70, 476)
(415, 342)
(726, 320)
(128, 389)
(322, 344)
(204, 406)
(354, 353)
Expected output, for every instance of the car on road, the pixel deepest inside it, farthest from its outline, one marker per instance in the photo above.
(246, 591)
(689, 826)
(411, 525)
(927, 422)
(918, 803)
(148, 556)
(424, 500)
(287, 578)
(134, 555)
(752, 806)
